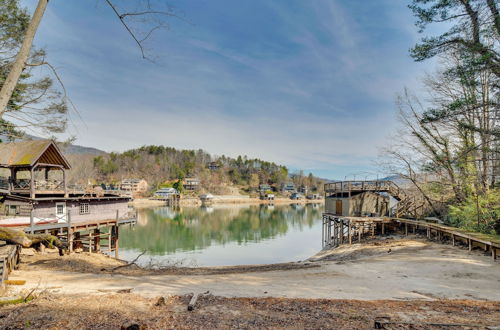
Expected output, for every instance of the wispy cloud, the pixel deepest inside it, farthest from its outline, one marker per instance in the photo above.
(307, 84)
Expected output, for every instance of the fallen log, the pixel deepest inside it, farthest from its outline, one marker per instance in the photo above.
(19, 237)
(192, 302)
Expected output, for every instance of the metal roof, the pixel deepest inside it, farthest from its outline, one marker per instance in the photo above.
(29, 153)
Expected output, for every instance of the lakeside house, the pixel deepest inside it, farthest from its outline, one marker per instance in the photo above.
(303, 189)
(263, 187)
(33, 184)
(213, 166)
(288, 187)
(166, 192)
(191, 184)
(134, 187)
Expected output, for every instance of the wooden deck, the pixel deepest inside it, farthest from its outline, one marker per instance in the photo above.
(339, 230)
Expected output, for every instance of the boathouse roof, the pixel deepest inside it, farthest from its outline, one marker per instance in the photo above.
(30, 153)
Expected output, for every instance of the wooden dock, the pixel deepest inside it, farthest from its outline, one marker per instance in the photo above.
(92, 236)
(339, 230)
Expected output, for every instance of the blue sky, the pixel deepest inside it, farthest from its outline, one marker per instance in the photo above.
(309, 84)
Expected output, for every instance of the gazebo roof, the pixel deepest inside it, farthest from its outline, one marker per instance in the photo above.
(30, 153)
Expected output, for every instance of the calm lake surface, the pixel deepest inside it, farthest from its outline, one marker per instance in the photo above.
(223, 235)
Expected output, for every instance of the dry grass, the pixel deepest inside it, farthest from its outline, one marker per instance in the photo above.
(111, 311)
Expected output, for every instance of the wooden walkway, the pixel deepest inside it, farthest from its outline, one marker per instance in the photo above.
(339, 230)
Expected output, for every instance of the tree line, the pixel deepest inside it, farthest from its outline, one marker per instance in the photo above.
(448, 142)
(160, 164)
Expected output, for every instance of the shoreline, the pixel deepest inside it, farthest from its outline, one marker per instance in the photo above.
(221, 200)
(387, 268)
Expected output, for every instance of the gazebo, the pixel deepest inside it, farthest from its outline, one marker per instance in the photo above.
(33, 168)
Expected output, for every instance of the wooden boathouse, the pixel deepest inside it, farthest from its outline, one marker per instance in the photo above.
(35, 197)
(347, 219)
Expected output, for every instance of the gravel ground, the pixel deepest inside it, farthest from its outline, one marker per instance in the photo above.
(112, 311)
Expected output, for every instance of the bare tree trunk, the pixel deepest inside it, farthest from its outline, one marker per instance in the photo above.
(21, 58)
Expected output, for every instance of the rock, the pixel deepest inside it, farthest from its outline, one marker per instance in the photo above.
(28, 252)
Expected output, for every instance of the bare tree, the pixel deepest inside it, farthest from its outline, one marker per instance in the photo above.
(144, 12)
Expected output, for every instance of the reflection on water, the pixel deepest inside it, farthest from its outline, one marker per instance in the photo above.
(221, 235)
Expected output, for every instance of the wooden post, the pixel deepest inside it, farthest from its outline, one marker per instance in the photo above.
(109, 241)
(90, 242)
(97, 240)
(383, 228)
(406, 229)
(116, 241)
(359, 234)
(65, 184)
(373, 229)
(32, 183)
(341, 232)
(32, 222)
(415, 229)
(349, 233)
(470, 244)
(453, 239)
(428, 233)
(493, 253)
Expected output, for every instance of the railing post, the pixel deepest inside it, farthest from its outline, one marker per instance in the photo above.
(70, 233)
(31, 221)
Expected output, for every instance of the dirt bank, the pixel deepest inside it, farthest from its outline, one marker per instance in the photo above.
(111, 311)
(396, 269)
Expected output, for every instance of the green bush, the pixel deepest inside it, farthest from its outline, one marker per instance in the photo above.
(478, 213)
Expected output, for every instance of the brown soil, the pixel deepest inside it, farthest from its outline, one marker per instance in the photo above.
(102, 264)
(111, 311)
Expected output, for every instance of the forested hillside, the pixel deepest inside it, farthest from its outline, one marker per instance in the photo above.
(159, 164)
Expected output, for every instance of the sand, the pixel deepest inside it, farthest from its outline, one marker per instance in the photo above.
(395, 269)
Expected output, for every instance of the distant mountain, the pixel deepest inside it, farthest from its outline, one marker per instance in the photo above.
(71, 149)
(74, 149)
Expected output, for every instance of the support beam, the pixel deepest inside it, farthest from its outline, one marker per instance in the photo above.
(97, 240)
(116, 241)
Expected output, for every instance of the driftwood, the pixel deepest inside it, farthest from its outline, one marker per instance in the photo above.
(133, 262)
(19, 237)
(192, 302)
(194, 299)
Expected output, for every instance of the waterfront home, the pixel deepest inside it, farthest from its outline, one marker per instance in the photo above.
(33, 185)
(303, 189)
(134, 186)
(213, 166)
(266, 196)
(191, 184)
(166, 192)
(288, 187)
(264, 187)
(296, 196)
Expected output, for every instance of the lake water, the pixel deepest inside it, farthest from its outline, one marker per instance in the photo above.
(223, 235)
